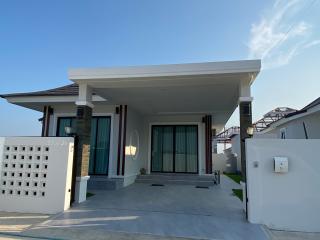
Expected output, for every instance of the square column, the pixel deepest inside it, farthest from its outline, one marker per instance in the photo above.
(207, 119)
(245, 122)
(83, 139)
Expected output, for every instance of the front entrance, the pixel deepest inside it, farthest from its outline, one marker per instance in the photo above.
(174, 148)
(100, 142)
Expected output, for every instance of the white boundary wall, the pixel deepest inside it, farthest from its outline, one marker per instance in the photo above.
(36, 174)
(285, 201)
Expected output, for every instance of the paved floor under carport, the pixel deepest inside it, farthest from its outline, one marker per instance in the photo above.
(171, 211)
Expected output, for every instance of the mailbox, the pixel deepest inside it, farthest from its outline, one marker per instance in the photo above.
(280, 164)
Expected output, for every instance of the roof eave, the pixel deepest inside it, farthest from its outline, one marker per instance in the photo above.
(189, 69)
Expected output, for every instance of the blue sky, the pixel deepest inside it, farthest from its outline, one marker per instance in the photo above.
(40, 40)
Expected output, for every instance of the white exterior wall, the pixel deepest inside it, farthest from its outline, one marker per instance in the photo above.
(235, 145)
(294, 128)
(285, 201)
(135, 127)
(36, 174)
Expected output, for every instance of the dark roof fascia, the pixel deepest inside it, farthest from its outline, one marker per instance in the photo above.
(67, 90)
(305, 109)
(295, 113)
(312, 104)
(34, 95)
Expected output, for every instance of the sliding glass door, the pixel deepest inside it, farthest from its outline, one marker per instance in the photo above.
(100, 142)
(174, 149)
(99, 147)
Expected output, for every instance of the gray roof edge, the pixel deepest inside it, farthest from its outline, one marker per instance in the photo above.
(67, 90)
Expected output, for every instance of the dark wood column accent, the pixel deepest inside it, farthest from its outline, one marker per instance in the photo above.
(208, 142)
(47, 111)
(119, 141)
(83, 132)
(245, 122)
(124, 139)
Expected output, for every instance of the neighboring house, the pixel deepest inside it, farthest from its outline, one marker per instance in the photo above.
(261, 130)
(159, 118)
(302, 124)
(235, 147)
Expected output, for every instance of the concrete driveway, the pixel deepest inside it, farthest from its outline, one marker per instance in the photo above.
(160, 211)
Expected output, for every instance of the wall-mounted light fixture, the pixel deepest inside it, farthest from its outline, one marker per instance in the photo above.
(250, 131)
(70, 131)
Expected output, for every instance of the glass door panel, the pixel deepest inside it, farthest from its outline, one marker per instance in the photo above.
(167, 151)
(174, 149)
(180, 149)
(156, 153)
(191, 149)
(99, 142)
(102, 146)
(93, 137)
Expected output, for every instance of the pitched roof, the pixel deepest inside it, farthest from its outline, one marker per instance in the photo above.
(312, 104)
(306, 108)
(68, 90)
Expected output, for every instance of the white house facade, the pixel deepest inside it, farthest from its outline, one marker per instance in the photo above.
(147, 118)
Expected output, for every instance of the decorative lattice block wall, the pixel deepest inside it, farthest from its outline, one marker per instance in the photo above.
(35, 174)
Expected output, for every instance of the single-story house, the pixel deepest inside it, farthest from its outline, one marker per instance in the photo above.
(302, 124)
(158, 118)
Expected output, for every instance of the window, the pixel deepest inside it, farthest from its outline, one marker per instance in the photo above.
(283, 133)
(100, 142)
(64, 122)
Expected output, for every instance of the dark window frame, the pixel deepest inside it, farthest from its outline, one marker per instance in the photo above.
(107, 149)
(174, 147)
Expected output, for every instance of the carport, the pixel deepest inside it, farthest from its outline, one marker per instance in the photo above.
(166, 114)
(170, 211)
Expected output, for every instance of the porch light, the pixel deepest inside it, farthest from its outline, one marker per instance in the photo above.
(250, 131)
(68, 130)
(131, 150)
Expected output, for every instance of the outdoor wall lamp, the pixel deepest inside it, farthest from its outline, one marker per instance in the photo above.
(250, 131)
(69, 131)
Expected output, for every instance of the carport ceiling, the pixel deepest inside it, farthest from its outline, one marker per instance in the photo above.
(200, 88)
(175, 99)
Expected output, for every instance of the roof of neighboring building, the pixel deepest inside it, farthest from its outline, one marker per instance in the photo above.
(287, 118)
(68, 90)
(306, 108)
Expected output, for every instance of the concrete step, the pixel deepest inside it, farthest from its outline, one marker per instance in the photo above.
(178, 179)
(104, 183)
(176, 182)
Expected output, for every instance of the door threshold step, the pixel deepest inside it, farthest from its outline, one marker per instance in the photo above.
(176, 182)
(157, 185)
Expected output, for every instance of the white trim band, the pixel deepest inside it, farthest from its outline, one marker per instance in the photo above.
(84, 103)
(83, 178)
(245, 99)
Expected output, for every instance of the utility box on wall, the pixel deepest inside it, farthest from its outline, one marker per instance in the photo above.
(280, 164)
(36, 174)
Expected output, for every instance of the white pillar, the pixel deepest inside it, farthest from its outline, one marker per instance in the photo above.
(83, 132)
(85, 95)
